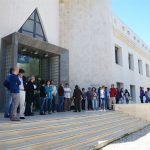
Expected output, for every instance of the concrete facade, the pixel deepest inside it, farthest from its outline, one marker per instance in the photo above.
(86, 30)
(130, 43)
(141, 111)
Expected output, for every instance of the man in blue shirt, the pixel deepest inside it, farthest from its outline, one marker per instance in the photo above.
(14, 83)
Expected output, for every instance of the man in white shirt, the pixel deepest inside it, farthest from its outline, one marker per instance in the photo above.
(22, 94)
(67, 95)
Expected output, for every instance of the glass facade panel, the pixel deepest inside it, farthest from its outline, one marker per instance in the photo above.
(33, 27)
(32, 16)
(37, 18)
(28, 25)
(27, 33)
(39, 29)
(39, 37)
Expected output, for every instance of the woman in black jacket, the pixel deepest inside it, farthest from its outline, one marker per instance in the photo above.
(77, 94)
(29, 96)
(61, 97)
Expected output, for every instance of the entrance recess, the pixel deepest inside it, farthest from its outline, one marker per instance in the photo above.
(38, 63)
(37, 57)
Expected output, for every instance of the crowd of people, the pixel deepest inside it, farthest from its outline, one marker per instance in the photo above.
(24, 96)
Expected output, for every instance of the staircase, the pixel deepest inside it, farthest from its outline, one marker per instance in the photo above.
(67, 131)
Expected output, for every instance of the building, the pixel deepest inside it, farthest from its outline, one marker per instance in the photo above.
(73, 41)
(106, 50)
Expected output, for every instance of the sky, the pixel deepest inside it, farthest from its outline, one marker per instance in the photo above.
(136, 14)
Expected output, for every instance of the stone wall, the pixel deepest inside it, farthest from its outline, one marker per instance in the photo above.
(86, 30)
(137, 110)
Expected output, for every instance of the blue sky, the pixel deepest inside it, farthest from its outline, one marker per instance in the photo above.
(136, 14)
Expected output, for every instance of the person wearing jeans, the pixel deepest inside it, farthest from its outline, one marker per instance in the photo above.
(142, 94)
(42, 98)
(113, 93)
(89, 98)
(49, 94)
(8, 104)
(84, 98)
(94, 100)
(61, 97)
(122, 98)
(67, 95)
(103, 98)
(54, 100)
(14, 83)
(127, 95)
(106, 98)
(22, 94)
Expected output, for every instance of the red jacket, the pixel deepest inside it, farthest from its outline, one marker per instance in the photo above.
(113, 92)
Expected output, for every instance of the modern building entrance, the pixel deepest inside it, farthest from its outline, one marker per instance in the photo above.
(36, 57)
(41, 64)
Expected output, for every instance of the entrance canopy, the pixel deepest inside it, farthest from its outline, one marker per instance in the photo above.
(54, 59)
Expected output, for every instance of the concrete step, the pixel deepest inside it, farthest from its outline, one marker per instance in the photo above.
(116, 136)
(103, 141)
(52, 140)
(51, 121)
(54, 136)
(79, 139)
(14, 134)
(91, 130)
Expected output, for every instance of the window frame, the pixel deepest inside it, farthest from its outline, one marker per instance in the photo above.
(36, 21)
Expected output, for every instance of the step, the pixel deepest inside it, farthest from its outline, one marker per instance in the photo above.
(117, 136)
(44, 137)
(88, 143)
(49, 141)
(59, 128)
(22, 125)
(60, 116)
(90, 130)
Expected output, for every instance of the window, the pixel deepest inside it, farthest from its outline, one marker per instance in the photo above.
(131, 61)
(119, 85)
(133, 93)
(123, 28)
(147, 70)
(140, 67)
(128, 32)
(118, 55)
(32, 27)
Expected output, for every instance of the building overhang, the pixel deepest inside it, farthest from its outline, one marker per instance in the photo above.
(34, 44)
